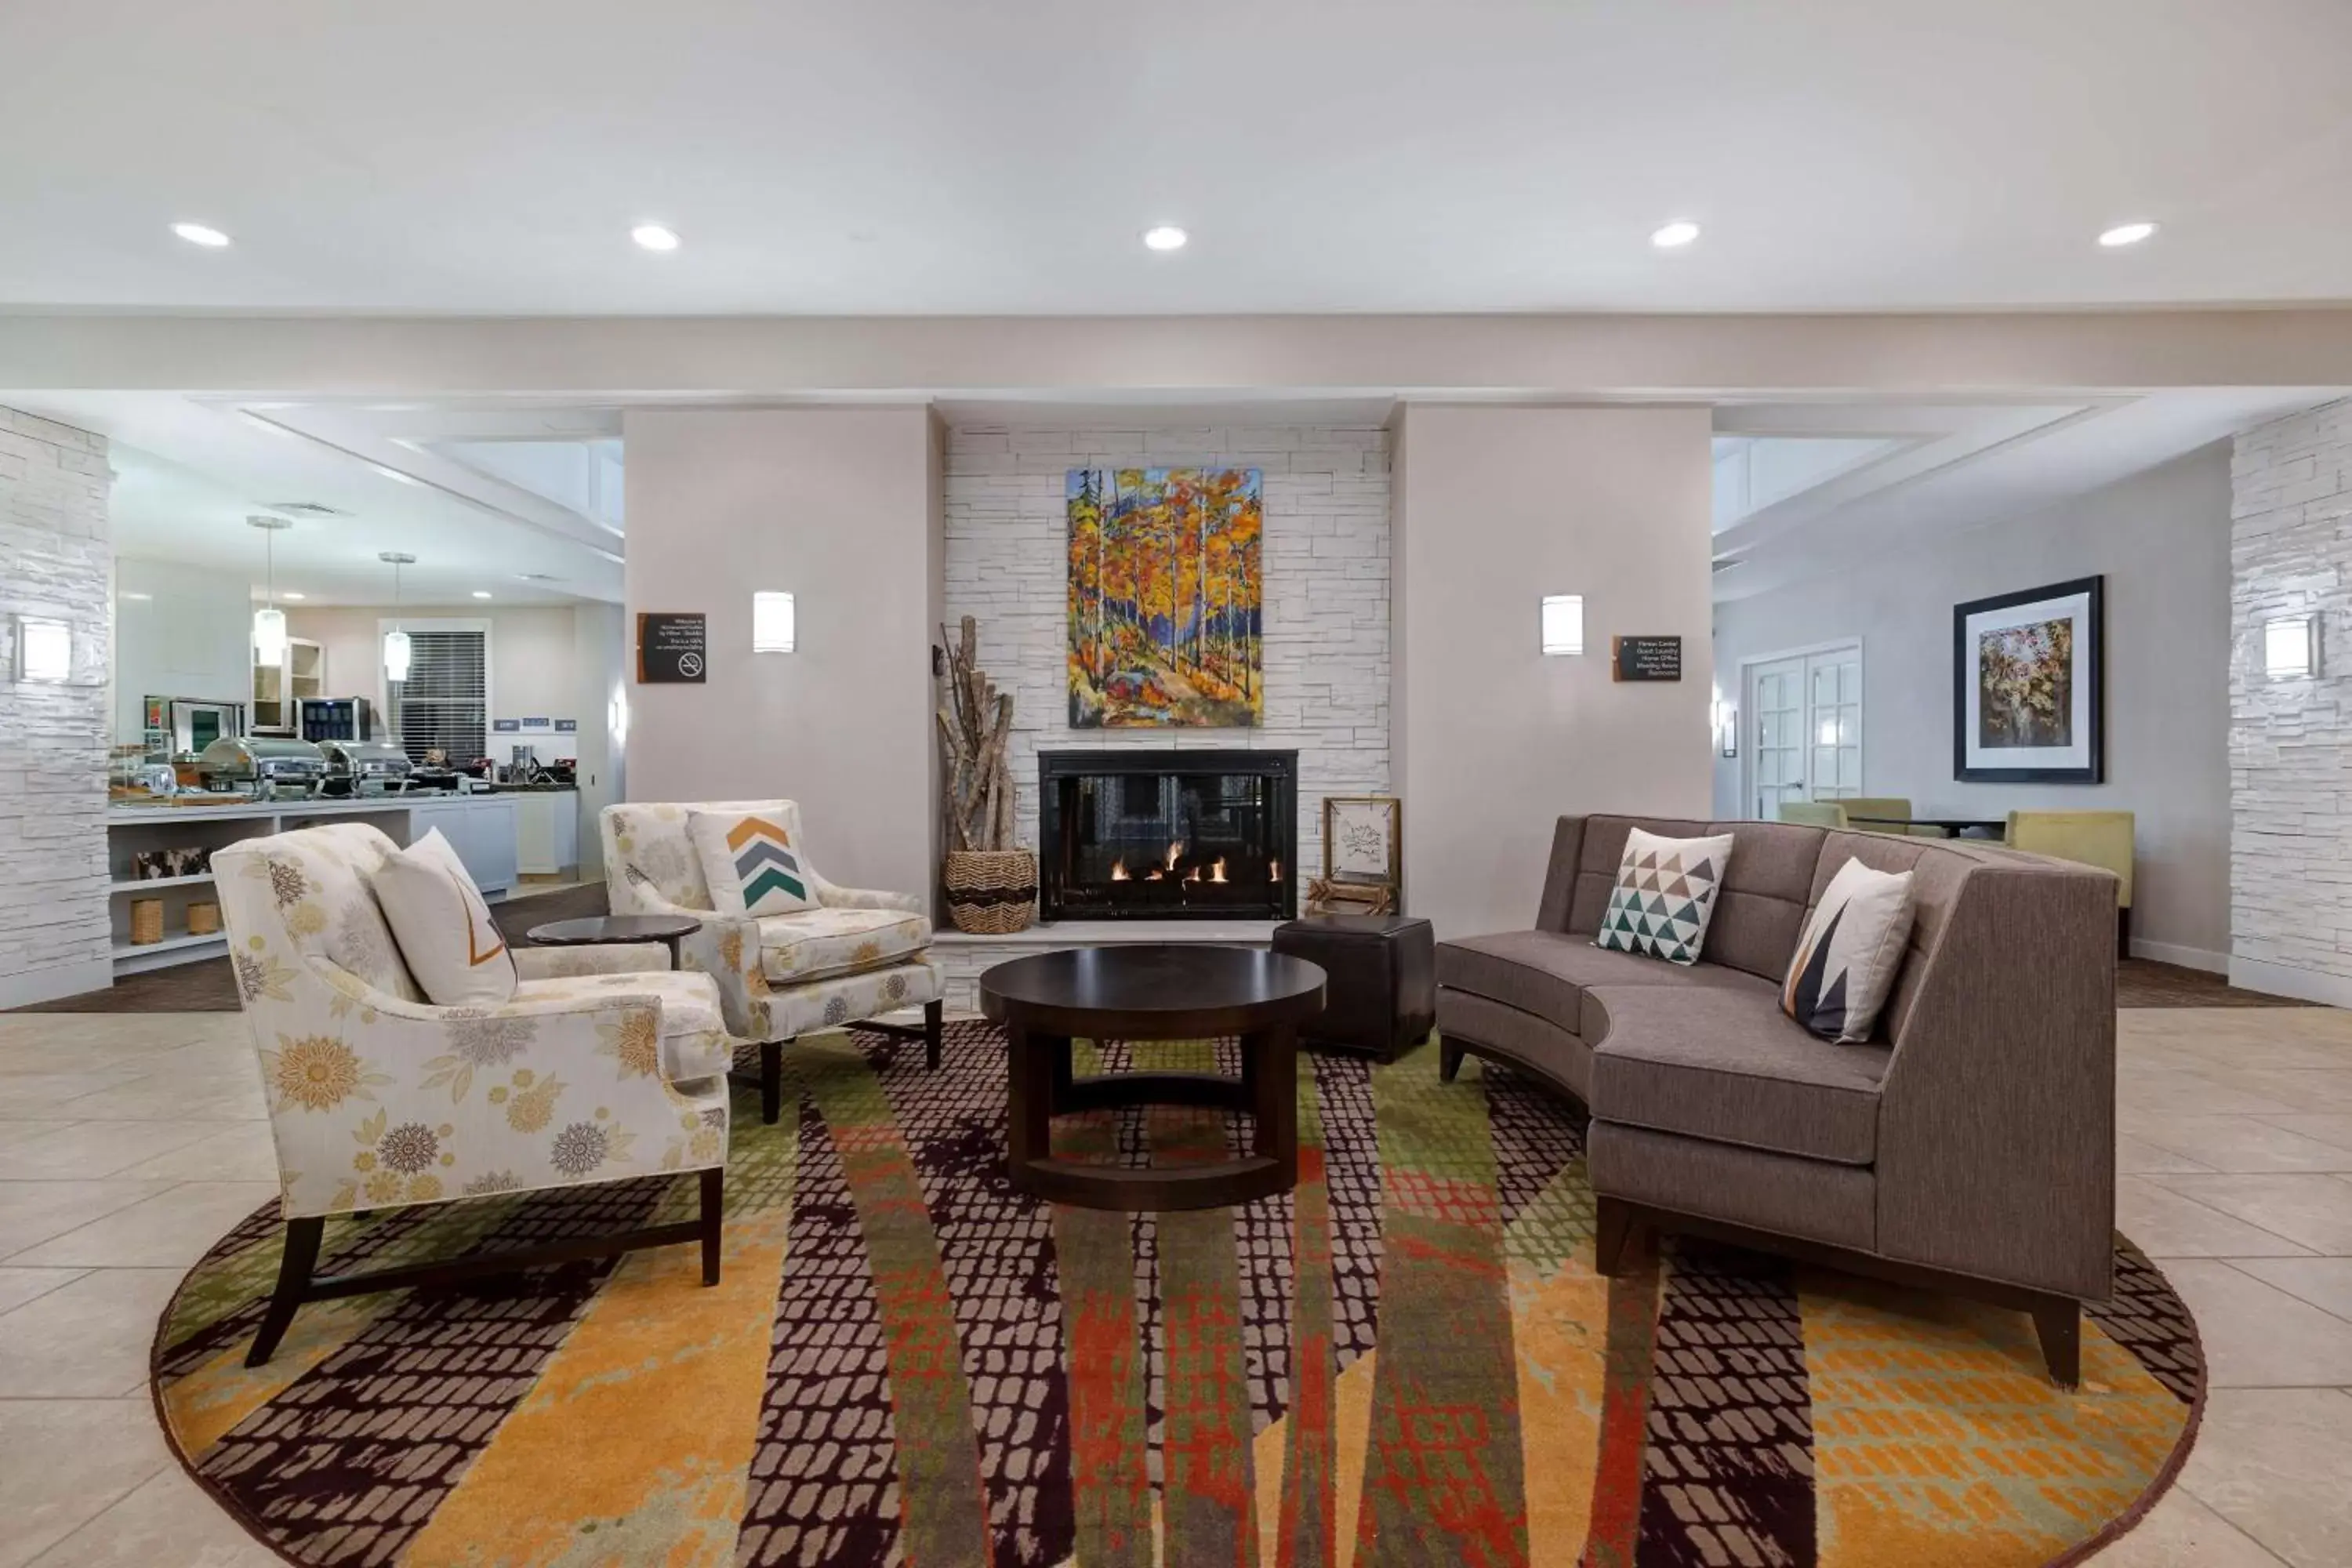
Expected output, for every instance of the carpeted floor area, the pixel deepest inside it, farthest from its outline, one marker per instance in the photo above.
(906, 1361)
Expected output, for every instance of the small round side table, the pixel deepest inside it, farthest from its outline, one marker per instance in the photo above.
(613, 930)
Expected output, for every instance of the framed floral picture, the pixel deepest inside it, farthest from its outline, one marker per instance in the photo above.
(2027, 675)
(1363, 840)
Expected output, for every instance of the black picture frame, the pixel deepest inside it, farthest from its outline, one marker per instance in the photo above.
(2090, 669)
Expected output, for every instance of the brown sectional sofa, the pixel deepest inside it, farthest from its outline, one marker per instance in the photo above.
(1969, 1146)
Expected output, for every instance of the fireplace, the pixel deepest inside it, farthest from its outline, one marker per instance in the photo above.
(1173, 835)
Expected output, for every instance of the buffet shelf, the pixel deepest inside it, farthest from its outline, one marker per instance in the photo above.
(130, 957)
(151, 884)
(481, 828)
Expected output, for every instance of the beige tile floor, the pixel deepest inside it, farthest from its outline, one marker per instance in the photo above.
(128, 1141)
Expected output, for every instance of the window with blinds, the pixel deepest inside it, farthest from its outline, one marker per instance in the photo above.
(444, 704)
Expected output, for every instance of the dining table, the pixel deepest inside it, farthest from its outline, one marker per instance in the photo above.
(1995, 828)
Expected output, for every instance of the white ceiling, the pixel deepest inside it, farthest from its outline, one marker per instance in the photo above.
(940, 156)
(1956, 464)
(188, 472)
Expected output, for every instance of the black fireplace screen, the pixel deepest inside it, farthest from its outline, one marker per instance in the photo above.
(1167, 835)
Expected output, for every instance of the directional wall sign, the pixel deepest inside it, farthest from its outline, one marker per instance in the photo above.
(672, 648)
(1645, 658)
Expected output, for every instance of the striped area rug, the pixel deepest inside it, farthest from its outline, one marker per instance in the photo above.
(1407, 1360)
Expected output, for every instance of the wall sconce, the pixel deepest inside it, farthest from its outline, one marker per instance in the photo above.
(773, 628)
(1563, 623)
(44, 649)
(1726, 727)
(2290, 648)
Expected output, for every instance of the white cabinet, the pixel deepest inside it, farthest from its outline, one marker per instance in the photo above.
(547, 831)
(480, 828)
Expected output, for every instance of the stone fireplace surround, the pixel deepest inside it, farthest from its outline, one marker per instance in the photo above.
(1327, 619)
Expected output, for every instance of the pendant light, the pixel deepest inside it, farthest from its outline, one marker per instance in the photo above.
(395, 641)
(269, 621)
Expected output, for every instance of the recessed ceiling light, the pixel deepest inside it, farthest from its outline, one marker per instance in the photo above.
(128, 595)
(654, 237)
(481, 593)
(1166, 236)
(2127, 234)
(1674, 235)
(201, 234)
(395, 474)
(289, 593)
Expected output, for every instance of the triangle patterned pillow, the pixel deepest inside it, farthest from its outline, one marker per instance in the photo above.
(1664, 896)
(447, 934)
(751, 861)
(1853, 945)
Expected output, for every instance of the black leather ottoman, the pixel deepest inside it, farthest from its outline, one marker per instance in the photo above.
(1382, 995)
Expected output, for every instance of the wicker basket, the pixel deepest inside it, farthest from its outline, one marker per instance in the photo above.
(991, 893)
(204, 918)
(146, 920)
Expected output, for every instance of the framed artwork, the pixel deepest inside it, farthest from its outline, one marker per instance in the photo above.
(1363, 840)
(1165, 598)
(2027, 675)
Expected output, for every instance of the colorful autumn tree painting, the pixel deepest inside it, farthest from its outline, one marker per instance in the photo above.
(2025, 686)
(1165, 595)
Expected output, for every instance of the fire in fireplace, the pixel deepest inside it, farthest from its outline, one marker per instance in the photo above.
(1166, 834)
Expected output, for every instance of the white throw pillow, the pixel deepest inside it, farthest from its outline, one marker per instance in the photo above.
(444, 926)
(1664, 896)
(1850, 952)
(750, 860)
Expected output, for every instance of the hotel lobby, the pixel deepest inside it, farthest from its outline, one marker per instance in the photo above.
(916, 786)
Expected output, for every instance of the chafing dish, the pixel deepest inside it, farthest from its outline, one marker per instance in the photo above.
(268, 765)
(365, 767)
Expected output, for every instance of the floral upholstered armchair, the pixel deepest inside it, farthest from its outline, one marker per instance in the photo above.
(855, 956)
(604, 1066)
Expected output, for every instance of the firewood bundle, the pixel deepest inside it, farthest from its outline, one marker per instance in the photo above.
(975, 722)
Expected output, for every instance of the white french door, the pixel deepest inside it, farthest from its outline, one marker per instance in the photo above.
(1804, 728)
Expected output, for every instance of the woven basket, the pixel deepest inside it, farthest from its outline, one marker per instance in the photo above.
(146, 920)
(204, 918)
(991, 893)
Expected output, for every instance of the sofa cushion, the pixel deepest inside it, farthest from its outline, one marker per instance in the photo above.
(1546, 972)
(1664, 896)
(447, 934)
(817, 944)
(1544, 1049)
(1759, 907)
(1722, 1063)
(1845, 962)
(1811, 1199)
(752, 860)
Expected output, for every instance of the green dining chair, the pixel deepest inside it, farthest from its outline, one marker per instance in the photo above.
(2100, 838)
(1814, 813)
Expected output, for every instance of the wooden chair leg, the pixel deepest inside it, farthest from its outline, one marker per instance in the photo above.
(2058, 1323)
(714, 1193)
(771, 1080)
(1449, 1061)
(932, 1029)
(1613, 1237)
(302, 1255)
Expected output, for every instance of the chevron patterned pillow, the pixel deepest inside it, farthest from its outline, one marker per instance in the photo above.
(1664, 894)
(751, 862)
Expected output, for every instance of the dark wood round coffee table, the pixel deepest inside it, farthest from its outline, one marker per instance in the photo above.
(1153, 992)
(607, 930)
